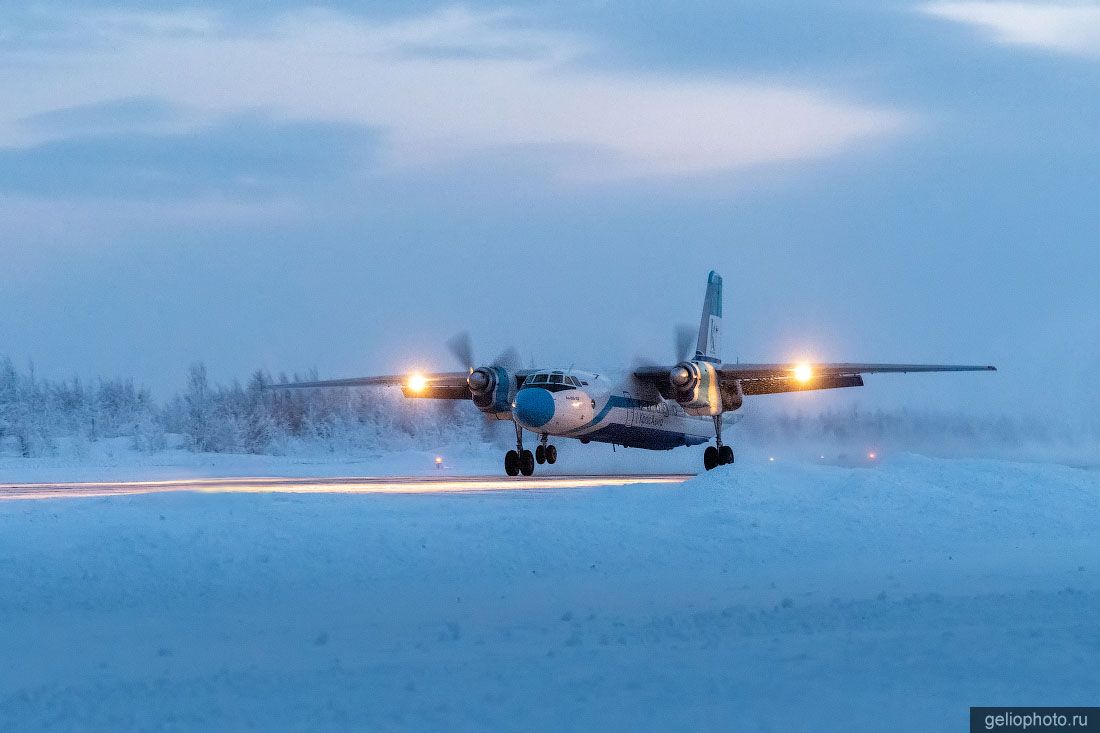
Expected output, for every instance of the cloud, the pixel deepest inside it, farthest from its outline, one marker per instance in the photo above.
(245, 157)
(104, 117)
(1069, 28)
(436, 88)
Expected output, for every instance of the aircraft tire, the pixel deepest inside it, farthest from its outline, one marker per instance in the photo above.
(526, 463)
(725, 455)
(551, 454)
(710, 457)
(511, 463)
(540, 454)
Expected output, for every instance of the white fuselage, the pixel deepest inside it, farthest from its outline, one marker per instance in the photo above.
(592, 407)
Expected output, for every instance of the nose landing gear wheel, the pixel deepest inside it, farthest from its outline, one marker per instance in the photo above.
(511, 463)
(725, 455)
(540, 454)
(526, 463)
(710, 457)
(551, 454)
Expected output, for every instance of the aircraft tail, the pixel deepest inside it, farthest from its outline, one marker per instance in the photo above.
(710, 325)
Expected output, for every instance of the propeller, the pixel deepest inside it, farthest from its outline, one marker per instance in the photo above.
(508, 360)
(685, 335)
(684, 343)
(462, 349)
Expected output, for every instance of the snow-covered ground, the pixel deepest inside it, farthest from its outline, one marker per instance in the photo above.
(772, 595)
(116, 460)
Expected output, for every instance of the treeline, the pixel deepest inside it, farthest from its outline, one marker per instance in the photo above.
(937, 431)
(39, 416)
(36, 413)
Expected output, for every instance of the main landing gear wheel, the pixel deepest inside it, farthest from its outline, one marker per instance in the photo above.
(519, 460)
(551, 454)
(710, 457)
(720, 455)
(540, 454)
(511, 463)
(526, 463)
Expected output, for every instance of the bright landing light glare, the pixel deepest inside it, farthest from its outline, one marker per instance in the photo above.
(417, 382)
(803, 373)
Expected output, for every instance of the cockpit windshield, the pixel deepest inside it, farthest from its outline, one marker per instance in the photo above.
(552, 381)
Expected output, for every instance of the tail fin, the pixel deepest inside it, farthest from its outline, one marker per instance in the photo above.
(710, 325)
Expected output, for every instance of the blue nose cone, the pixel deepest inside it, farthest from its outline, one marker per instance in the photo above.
(534, 407)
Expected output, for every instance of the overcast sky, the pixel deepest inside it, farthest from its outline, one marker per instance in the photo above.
(265, 184)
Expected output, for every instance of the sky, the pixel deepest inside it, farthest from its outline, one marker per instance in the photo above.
(342, 187)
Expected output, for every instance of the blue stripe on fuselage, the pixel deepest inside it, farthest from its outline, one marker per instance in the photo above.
(642, 437)
(632, 436)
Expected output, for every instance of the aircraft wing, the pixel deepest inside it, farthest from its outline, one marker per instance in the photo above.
(774, 378)
(757, 379)
(433, 385)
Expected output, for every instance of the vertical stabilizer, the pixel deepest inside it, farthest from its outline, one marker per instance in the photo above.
(710, 325)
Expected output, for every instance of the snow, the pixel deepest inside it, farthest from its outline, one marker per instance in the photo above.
(771, 595)
(115, 460)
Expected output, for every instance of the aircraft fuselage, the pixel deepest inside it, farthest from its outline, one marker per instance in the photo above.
(592, 407)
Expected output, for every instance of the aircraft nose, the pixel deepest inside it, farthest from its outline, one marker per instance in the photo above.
(534, 407)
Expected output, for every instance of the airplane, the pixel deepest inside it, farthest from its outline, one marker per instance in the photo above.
(651, 407)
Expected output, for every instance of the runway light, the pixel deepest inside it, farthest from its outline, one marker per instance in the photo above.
(439, 461)
(872, 456)
(771, 458)
(417, 382)
(803, 373)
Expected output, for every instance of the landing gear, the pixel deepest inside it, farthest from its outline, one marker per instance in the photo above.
(511, 463)
(720, 455)
(519, 460)
(545, 453)
(710, 457)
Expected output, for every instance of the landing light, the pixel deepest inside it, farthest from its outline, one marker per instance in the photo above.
(803, 373)
(872, 456)
(417, 382)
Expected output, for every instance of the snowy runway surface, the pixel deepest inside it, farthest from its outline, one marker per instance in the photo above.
(326, 485)
(760, 597)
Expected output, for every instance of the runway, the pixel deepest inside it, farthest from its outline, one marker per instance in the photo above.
(337, 485)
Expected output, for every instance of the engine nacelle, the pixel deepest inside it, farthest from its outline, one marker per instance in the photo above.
(493, 389)
(696, 386)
